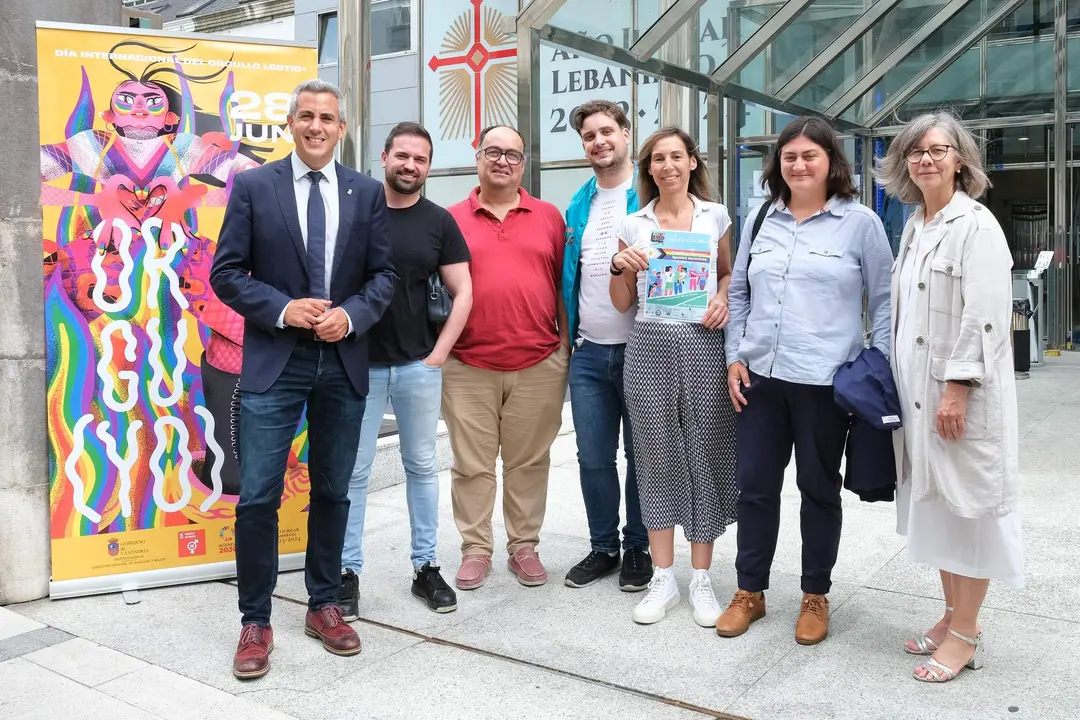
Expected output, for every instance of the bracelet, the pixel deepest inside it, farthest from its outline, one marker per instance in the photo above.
(614, 270)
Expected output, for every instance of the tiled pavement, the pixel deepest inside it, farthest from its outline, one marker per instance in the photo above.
(553, 652)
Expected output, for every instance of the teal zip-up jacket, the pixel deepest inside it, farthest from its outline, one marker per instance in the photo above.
(577, 217)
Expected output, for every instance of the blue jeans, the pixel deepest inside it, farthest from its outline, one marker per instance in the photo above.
(313, 377)
(596, 401)
(414, 390)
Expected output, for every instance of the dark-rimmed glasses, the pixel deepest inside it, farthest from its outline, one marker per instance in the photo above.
(494, 154)
(936, 152)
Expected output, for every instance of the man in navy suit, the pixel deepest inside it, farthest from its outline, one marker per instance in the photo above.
(304, 257)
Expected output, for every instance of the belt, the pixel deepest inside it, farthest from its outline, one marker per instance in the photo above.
(306, 334)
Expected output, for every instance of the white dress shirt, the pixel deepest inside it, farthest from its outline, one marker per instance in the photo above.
(328, 190)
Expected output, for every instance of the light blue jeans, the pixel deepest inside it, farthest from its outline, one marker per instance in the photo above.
(414, 390)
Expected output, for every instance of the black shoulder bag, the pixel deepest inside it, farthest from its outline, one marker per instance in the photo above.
(753, 236)
(439, 301)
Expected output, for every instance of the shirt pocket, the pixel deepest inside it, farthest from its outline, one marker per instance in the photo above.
(824, 264)
(759, 257)
(945, 273)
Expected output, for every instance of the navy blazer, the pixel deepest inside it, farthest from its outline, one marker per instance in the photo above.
(865, 388)
(261, 264)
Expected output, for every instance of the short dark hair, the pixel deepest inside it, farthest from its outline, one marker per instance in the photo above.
(489, 128)
(587, 109)
(840, 181)
(409, 128)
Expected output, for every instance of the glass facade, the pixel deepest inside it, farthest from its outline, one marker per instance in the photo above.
(1008, 68)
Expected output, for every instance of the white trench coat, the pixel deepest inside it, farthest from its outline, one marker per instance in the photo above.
(963, 314)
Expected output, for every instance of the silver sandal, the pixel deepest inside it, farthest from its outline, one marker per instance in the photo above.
(925, 644)
(938, 673)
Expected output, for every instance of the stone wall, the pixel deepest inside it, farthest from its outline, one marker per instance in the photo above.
(24, 490)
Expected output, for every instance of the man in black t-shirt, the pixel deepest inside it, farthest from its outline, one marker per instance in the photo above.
(406, 356)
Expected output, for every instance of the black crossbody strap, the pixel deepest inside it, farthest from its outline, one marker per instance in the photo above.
(758, 220)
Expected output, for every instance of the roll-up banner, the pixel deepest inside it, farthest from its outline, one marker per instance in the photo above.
(141, 136)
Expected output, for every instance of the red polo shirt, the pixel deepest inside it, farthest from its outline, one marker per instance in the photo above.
(516, 269)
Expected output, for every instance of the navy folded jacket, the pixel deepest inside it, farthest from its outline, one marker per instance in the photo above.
(865, 388)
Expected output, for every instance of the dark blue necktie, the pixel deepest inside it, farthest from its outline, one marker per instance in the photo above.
(316, 237)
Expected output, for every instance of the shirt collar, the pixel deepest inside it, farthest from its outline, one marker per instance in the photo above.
(527, 202)
(649, 210)
(300, 169)
(835, 205)
(958, 205)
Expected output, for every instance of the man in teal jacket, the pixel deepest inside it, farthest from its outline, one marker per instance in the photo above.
(598, 334)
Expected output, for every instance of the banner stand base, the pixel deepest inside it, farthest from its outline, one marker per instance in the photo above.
(131, 583)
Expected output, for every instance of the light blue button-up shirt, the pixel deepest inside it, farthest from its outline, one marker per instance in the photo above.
(802, 317)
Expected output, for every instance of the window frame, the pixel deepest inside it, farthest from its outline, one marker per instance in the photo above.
(414, 33)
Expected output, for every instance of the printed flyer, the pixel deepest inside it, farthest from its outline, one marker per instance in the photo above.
(680, 269)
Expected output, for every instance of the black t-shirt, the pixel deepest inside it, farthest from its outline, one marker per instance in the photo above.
(423, 238)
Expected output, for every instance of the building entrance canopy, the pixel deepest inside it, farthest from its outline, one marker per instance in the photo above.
(855, 62)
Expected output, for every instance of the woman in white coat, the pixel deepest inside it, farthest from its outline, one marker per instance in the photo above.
(957, 452)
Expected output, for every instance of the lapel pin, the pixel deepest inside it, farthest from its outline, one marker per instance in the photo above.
(349, 191)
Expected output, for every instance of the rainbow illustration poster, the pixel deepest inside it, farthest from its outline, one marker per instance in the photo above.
(142, 134)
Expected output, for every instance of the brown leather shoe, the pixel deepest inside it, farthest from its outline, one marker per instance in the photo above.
(813, 624)
(252, 658)
(327, 625)
(745, 608)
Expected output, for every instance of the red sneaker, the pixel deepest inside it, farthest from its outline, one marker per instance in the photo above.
(252, 658)
(525, 563)
(327, 625)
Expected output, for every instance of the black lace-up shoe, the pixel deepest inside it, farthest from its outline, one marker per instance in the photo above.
(595, 566)
(636, 570)
(349, 596)
(429, 586)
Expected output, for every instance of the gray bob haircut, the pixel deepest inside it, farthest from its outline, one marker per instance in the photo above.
(892, 170)
(316, 86)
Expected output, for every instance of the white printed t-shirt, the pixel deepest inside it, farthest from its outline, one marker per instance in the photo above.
(599, 322)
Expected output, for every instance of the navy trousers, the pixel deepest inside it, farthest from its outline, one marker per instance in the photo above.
(778, 416)
(315, 378)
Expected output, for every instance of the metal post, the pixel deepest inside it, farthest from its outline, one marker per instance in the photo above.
(678, 105)
(528, 57)
(1063, 301)
(714, 126)
(354, 81)
(731, 168)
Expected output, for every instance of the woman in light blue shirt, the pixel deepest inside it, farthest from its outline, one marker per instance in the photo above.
(796, 302)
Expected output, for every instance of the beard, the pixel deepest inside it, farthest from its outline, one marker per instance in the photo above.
(615, 159)
(402, 186)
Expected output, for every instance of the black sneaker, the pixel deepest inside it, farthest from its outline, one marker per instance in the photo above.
(595, 566)
(636, 570)
(429, 586)
(349, 596)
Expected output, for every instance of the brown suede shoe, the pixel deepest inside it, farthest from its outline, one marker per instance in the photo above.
(745, 608)
(813, 624)
(252, 658)
(326, 624)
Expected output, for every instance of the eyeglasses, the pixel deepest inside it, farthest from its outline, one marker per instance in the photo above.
(936, 152)
(494, 154)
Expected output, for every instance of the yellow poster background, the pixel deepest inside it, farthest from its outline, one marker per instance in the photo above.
(141, 135)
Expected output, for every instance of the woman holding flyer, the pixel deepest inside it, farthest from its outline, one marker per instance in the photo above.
(805, 258)
(682, 423)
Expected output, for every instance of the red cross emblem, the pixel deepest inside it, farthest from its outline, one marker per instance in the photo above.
(475, 90)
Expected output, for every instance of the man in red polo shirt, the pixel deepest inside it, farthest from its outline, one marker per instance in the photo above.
(505, 381)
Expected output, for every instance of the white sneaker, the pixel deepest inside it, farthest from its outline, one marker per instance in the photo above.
(663, 595)
(703, 600)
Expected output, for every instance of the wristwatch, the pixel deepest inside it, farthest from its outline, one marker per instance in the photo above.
(615, 270)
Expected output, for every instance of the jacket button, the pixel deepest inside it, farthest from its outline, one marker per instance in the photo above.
(949, 269)
(303, 288)
(919, 340)
(988, 327)
(918, 406)
(922, 286)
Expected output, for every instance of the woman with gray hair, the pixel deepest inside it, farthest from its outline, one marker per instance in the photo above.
(957, 452)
